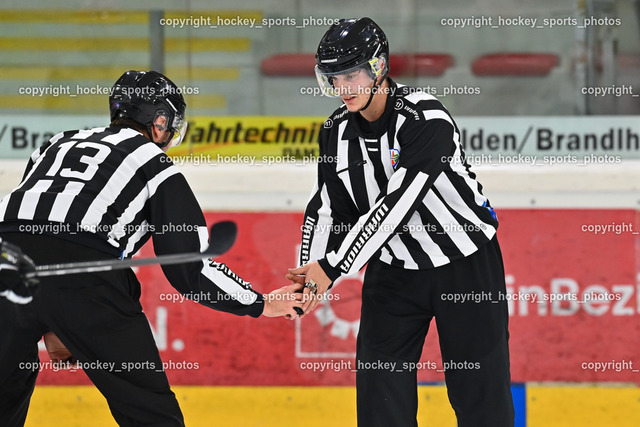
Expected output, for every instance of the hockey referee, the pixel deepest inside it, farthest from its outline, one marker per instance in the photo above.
(101, 194)
(401, 197)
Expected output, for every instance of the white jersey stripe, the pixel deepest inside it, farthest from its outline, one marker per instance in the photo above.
(369, 178)
(123, 135)
(132, 241)
(30, 200)
(119, 181)
(120, 228)
(437, 114)
(446, 188)
(385, 155)
(228, 285)
(86, 133)
(401, 251)
(449, 224)
(343, 163)
(63, 201)
(432, 250)
(323, 228)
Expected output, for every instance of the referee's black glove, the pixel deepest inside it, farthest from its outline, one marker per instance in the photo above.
(14, 266)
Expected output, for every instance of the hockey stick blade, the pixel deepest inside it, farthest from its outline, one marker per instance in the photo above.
(222, 236)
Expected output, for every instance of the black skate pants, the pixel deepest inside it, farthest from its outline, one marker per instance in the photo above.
(397, 307)
(98, 317)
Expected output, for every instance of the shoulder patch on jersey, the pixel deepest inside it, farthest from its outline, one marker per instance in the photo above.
(394, 153)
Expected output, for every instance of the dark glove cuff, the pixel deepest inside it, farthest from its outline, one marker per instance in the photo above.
(332, 272)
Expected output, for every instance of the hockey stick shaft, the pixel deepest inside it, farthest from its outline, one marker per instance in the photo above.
(115, 264)
(223, 236)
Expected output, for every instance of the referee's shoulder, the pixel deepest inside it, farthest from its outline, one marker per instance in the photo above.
(329, 133)
(65, 135)
(419, 108)
(338, 116)
(130, 142)
(126, 134)
(416, 99)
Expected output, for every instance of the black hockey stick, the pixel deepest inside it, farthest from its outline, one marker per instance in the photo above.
(222, 237)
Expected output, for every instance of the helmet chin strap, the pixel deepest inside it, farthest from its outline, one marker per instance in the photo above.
(374, 90)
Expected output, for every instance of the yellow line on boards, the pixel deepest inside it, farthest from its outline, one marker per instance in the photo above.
(97, 17)
(89, 104)
(111, 73)
(218, 44)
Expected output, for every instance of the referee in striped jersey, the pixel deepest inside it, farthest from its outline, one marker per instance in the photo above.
(394, 191)
(99, 194)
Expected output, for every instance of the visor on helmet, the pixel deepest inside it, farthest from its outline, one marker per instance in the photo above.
(352, 80)
(178, 128)
(178, 132)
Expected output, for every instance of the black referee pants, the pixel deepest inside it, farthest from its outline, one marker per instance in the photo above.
(98, 317)
(397, 307)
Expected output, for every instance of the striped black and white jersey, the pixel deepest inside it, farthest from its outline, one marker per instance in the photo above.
(112, 189)
(398, 188)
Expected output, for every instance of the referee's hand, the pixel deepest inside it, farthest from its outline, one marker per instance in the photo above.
(309, 274)
(281, 302)
(14, 264)
(58, 353)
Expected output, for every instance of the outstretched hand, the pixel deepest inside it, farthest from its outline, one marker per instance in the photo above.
(309, 274)
(281, 302)
(14, 265)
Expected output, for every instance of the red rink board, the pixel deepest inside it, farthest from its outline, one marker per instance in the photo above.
(543, 250)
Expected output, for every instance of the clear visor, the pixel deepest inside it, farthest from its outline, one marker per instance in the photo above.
(352, 81)
(178, 131)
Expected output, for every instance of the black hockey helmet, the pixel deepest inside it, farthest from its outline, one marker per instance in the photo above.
(349, 45)
(143, 96)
